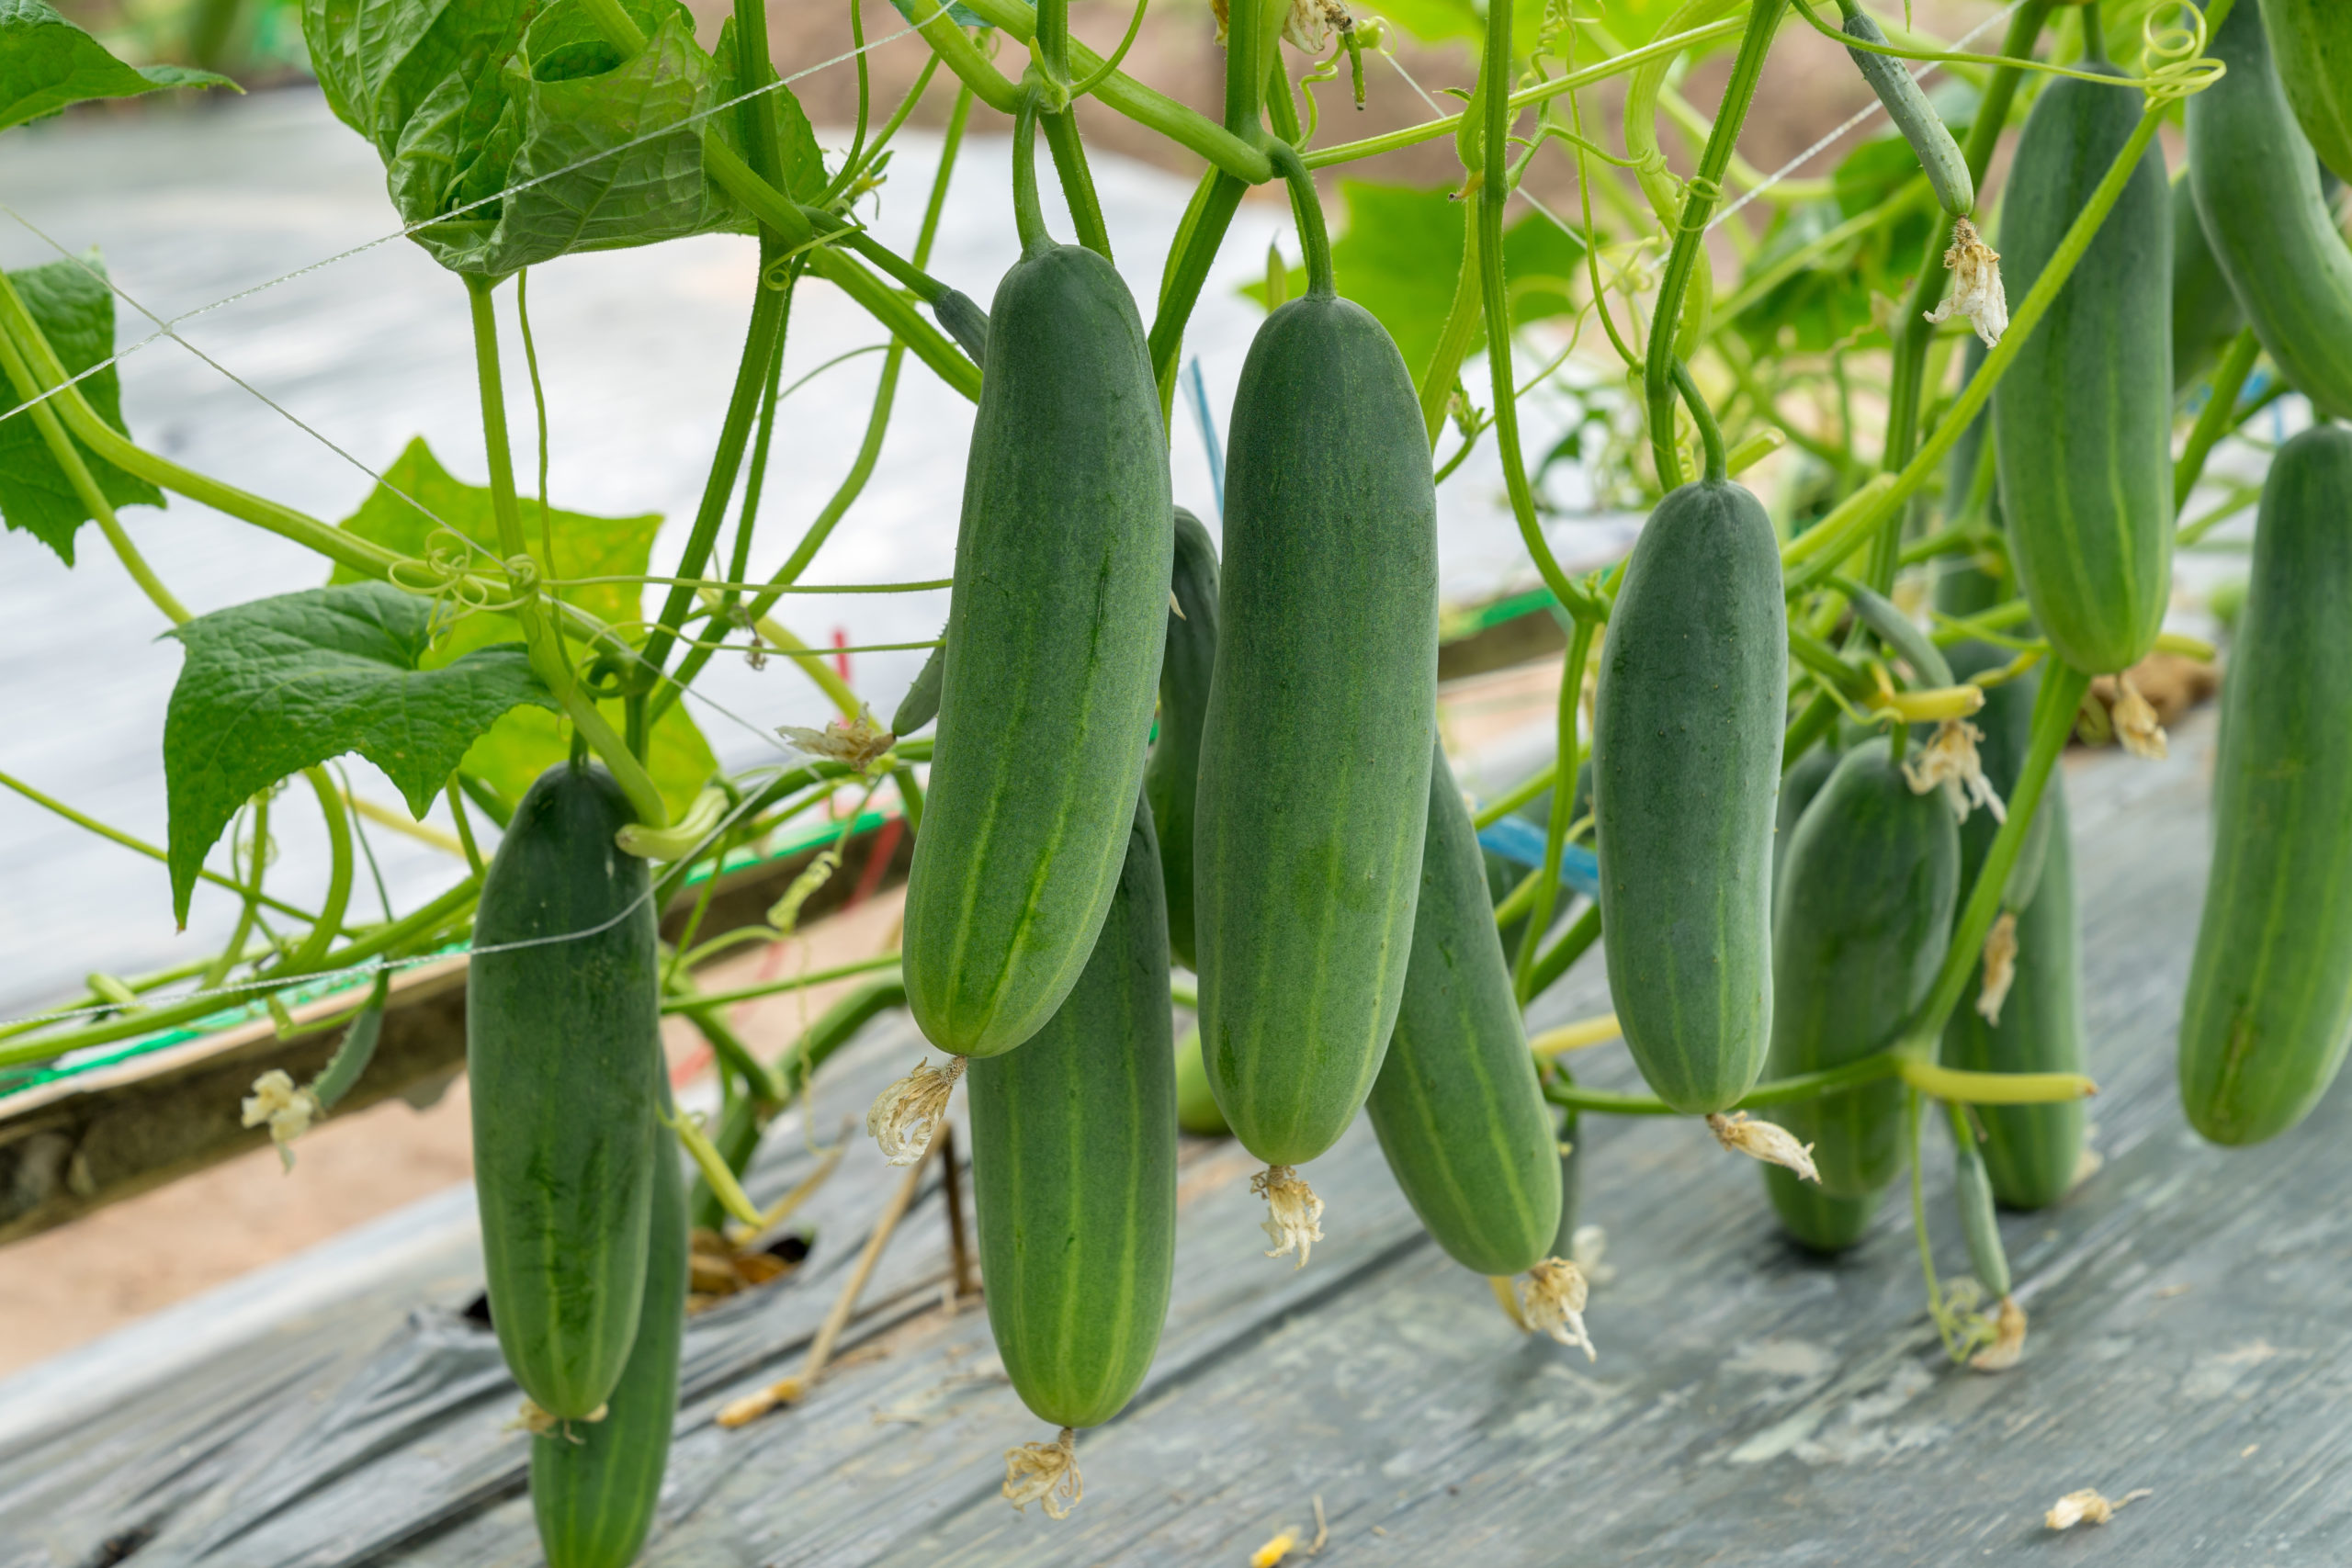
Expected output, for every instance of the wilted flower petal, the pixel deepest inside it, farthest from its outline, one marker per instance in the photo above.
(1294, 1217)
(2000, 966)
(2086, 1507)
(1949, 759)
(2008, 1339)
(857, 741)
(1554, 1304)
(1046, 1473)
(1976, 291)
(2136, 725)
(903, 1116)
(288, 1110)
(1767, 1141)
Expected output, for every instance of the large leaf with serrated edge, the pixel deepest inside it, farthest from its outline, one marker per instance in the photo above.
(280, 684)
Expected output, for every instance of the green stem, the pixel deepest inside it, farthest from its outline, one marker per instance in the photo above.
(1313, 237)
(1194, 251)
(1028, 210)
(313, 951)
(1076, 181)
(1572, 945)
(1705, 187)
(1462, 318)
(774, 987)
(250, 907)
(546, 656)
(1566, 748)
(2219, 416)
(138, 845)
(1517, 795)
(1711, 434)
(464, 819)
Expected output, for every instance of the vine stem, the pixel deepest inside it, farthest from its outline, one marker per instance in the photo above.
(1566, 749)
(1658, 374)
(1493, 195)
(1314, 238)
(1956, 1087)
(1028, 211)
(547, 660)
(2218, 417)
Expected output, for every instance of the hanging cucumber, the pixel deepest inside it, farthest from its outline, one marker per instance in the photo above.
(921, 705)
(1798, 787)
(1054, 631)
(562, 1040)
(1315, 754)
(2257, 188)
(1457, 1108)
(1685, 764)
(1864, 917)
(1196, 1110)
(2082, 423)
(2031, 1152)
(2205, 314)
(2269, 1007)
(593, 1486)
(2311, 41)
(1171, 778)
(1074, 1169)
(1907, 105)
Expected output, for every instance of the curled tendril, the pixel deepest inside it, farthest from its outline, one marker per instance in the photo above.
(1697, 184)
(446, 574)
(2176, 65)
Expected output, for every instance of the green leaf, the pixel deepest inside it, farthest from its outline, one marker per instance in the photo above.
(280, 684)
(526, 743)
(525, 132)
(804, 162)
(74, 309)
(48, 64)
(1830, 301)
(1400, 254)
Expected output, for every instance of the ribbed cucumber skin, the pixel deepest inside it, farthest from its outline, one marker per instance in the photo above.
(1907, 105)
(1821, 1221)
(2205, 313)
(1074, 1169)
(1457, 1108)
(2031, 1152)
(1685, 765)
(561, 1043)
(1864, 916)
(1054, 630)
(1172, 779)
(2311, 41)
(1313, 788)
(2082, 423)
(1798, 787)
(593, 1486)
(2269, 1007)
(2256, 186)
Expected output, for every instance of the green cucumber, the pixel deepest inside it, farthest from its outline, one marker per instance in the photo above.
(1172, 777)
(921, 705)
(1457, 1108)
(2269, 1007)
(1685, 764)
(1907, 108)
(2257, 188)
(2005, 726)
(2030, 1151)
(1864, 916)
(1313, 788)
(563, 1043)
(1074, 1168)
(1571, 1149)
(1820, 1221)
(1054, 629)
(2082, 423)
(1196, 1110)
(2205, 313)
(1979, 1225)
(1798, 787)
(2311, 41)
(594, 1483)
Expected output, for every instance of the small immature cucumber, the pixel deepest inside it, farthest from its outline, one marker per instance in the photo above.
(1906, 105)
(1457, 1108)
(921, 705)
(2082, 423)
(2257, 188)
(2311, 41)
(594, 1483)
(1172, 779)
(1054, 629)
(1972, 1192)
(1196, 1110)
(1074, 1169)
(1314, 788)
(2205, 313)
(2269, 1007)
(563, 1043)
(1864, 916)
(1685, 764)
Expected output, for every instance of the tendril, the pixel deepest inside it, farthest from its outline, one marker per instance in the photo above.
(2175, 64)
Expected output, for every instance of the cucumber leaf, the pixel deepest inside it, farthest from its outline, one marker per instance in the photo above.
(47, 64)
(526, 742)
(280, 684)
(513, 133)
(74, 309)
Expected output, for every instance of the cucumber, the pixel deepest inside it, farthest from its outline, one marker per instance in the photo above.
(1074, 1168)
(1571, 1150)
(2257, 188)
(594, 1485)
(562, 1044)
(1864, 916)
(921, 705)
(2311, 41)
(1457, 1108)
(1907, 108)
(1054, 628)
(1798, 787)
(2205, 314)
(2006, 722)
(1686, 764)
(2082, 423)
(1196, 1110)
(2030, 1151)
(1315, 754)
(2269, 1007)
(1173, 776)
(1818, 1221)
(1972, 1192)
